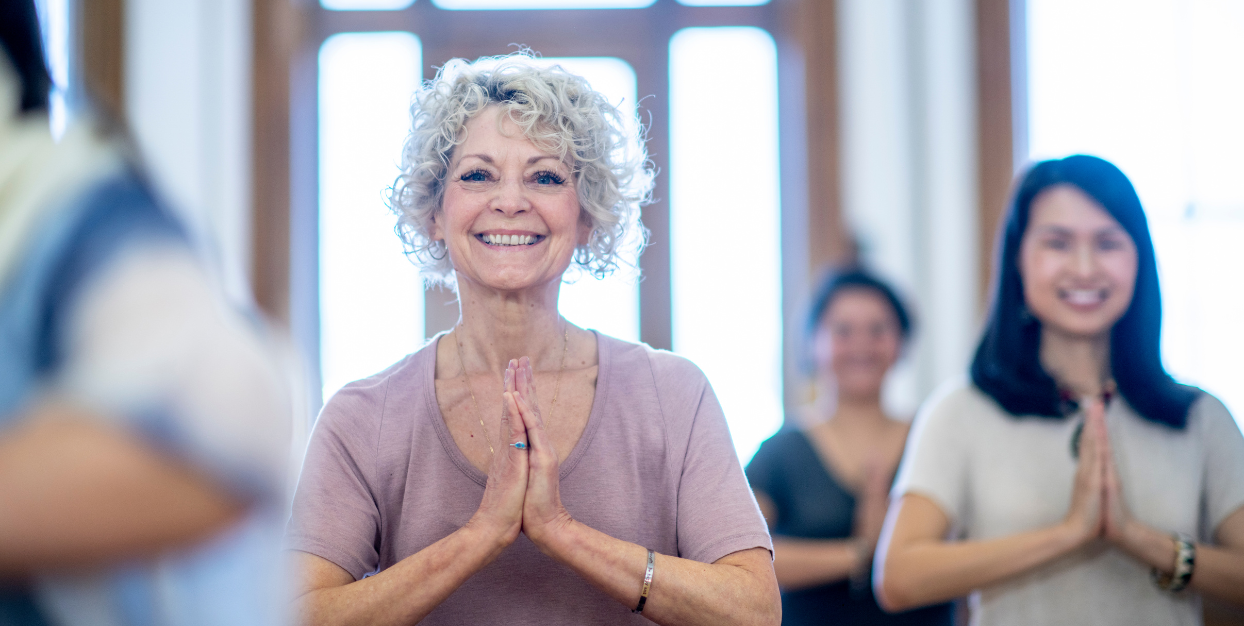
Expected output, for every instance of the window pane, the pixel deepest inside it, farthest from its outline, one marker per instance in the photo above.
(366, 5)
(54, 24)
(724, 221)
(371, 298)
(542, 4)
(1155, 87)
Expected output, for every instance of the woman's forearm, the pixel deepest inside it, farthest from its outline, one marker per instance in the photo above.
(405, 593)
(1219, 570)
(801, 563)
(932, 571)
(738, 589)
(1220, 573)
(78, 493)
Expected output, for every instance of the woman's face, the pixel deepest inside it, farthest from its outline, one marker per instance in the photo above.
(1077, 262)
(510, 214)
(858, 341)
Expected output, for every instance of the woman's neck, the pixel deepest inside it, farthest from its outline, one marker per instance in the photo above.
(1080, 364)
(496, 326)
(849, 411)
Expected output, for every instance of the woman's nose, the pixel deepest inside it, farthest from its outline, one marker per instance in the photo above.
(511, 198)
(1085, 260)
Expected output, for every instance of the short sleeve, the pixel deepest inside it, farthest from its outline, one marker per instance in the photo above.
(335, 513)
(717, 514)
(1224, 460)
(935, 461)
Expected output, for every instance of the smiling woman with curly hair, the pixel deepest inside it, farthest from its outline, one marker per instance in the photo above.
(442, 489)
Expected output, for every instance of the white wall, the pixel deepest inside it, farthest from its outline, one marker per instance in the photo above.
(187, 94)
(909, 179)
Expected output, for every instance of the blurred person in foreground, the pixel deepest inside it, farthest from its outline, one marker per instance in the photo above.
(143, 424)
(1072, 480)
(824, 486)
(443, 489)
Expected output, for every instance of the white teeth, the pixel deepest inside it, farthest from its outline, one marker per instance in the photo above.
(509, 240)
(1084, 296)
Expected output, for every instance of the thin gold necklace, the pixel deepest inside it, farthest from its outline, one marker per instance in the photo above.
(557, 388)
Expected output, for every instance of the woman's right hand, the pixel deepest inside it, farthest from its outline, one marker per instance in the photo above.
(501, 510)
(1085, 517)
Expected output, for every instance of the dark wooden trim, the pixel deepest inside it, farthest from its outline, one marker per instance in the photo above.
(102, 53)
(829, 241)
(996, 123)
(276, 28)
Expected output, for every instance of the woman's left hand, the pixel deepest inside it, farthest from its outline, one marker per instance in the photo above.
(543, 513)
(1144, 543)
(1116, 518)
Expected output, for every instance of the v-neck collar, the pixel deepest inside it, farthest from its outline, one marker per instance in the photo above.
(604, 351)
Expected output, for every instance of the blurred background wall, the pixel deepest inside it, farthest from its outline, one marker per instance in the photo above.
(791, 136)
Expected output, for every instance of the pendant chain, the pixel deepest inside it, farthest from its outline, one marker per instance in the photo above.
(467, 381)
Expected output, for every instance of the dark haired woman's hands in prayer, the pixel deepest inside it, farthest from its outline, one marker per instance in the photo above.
(501, 510)
(1117, 517)
(543, 513)
(1086, 518)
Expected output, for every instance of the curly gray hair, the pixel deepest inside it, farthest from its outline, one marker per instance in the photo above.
(556, 110)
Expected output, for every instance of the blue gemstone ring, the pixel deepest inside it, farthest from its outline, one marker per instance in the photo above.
(520, 445)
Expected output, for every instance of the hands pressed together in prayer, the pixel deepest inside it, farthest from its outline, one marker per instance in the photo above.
(1097, 507)
(522, 493)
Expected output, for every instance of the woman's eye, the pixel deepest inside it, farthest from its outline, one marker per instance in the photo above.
(1109, 243)
(475, 176)
(548, 178)
(1057, 243)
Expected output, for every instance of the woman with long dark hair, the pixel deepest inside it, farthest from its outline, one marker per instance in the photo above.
(1072, 480)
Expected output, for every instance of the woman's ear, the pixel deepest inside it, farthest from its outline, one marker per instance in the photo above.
(585, 230)
(434, 232)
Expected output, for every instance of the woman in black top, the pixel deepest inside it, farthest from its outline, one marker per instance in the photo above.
(823, 487)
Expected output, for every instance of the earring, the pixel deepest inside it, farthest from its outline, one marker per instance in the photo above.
(435, 246)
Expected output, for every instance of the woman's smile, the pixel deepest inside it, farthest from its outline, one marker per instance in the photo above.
(509, 239)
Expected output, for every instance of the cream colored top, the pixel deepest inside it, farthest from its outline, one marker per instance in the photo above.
(995, 475)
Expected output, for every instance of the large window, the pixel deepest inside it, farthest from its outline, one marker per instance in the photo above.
(711, 284)
(1157, 87)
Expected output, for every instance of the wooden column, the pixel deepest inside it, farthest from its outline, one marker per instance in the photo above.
(996, 124)
(276, 28)
(814, 24)
(102, 53)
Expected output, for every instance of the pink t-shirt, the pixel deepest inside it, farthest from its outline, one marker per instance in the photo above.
(655, 466)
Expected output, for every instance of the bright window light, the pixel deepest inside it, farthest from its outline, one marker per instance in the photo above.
(54, 24)
(1155, 88)
(725, 221)
(366, 5)
(371, 298)
(541, 4)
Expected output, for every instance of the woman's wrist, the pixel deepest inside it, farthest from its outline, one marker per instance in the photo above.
(496, 535)
(1148, 545)
(1070, 535)
(556, 538)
